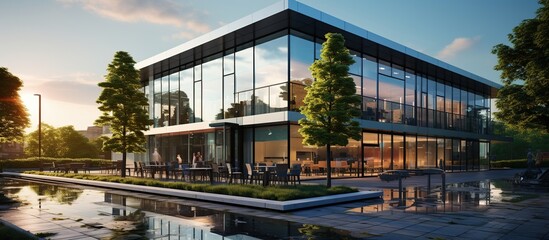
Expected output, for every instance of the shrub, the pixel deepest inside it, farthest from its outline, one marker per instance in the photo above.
(516, 163)
(35, 162)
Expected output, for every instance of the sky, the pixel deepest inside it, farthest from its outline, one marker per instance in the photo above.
(61, 48)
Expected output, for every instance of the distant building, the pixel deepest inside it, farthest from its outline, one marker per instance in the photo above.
(92, 132)
(11, 150)
(234, 96)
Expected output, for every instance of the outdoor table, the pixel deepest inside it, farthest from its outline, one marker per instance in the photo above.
(201, 170)
(152, 168)
(267, 173)
(75, 166)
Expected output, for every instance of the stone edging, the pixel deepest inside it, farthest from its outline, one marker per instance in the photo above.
(212, 197)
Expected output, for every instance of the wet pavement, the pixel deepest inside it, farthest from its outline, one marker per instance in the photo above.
(473, 206)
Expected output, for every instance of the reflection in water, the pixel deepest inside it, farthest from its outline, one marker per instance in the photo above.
(60, 194)
(456, 197)
(128, 217)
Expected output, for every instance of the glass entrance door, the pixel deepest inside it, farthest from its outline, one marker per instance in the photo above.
(372, 164)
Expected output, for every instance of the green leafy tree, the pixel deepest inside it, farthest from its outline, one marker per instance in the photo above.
(63, 142)
(124, 107)
(524, 99)
(523, 139)
(331, 104)
(13, 114)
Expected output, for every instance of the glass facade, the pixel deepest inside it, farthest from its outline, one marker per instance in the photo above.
(270, 74)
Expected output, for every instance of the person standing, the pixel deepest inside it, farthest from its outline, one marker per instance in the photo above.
(156, 156)
(179, 160)
(530, 159)
(539, 160)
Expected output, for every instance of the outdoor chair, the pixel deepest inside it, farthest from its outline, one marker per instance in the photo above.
(252, 174)
(295, 173)
(174, 169)
(232, 174)
(137, 169)
(216, 172)
(185, 172)
(281, 173)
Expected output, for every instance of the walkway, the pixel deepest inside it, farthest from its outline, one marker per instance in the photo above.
(490, 219)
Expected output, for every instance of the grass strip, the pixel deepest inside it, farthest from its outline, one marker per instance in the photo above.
(279, 193)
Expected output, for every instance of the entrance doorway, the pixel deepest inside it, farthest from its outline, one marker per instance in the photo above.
(372, 164)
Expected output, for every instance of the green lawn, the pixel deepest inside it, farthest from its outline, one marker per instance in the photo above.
(280, 193)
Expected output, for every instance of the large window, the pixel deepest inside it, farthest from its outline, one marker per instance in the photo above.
(157, 99)
(271, 144)
(211, 83)
(411, 152)
(186, 97)
(244, 69)
(271, 62)
(301, 57)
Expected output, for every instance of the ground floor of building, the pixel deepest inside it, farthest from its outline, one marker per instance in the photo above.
(377, 151)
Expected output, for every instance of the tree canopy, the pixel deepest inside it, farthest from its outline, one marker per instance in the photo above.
(124, 107)
(331, 102)
(63, 142)
(524, 99)
(14, 117)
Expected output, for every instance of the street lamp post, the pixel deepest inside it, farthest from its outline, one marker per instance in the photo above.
(39, 129)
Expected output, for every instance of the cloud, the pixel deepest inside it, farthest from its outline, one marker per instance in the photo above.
(163, 12)
(79, 88)
(457, 46)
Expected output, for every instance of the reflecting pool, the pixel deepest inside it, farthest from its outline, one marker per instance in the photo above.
(109, 214)
(453, 198)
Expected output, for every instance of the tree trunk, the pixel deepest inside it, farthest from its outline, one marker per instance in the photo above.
(328, 166)
(123, 167)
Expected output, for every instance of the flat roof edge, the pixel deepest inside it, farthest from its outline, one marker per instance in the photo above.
(219, 32)
(319, 16)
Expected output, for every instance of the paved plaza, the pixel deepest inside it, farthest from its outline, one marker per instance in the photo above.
(466, 216)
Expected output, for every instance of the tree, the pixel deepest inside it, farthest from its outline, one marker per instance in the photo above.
(124, 107)
(331, 104)
(63, 142)
(524, 99)
(14, 117)
(523, 139)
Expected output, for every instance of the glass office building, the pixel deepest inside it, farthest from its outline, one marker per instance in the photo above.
(234, 95)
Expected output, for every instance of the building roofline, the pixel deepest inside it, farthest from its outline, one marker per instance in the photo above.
(319, 16)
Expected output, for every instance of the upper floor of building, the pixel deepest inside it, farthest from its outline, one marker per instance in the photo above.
(259, 65)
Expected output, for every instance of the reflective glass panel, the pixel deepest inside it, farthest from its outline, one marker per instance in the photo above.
(198, 101)
(356, 68)
(301, 57)
(228, 64)
(186, 96)
(174, 98)
(165, 96)
(245, 103)
(228, 97)
(410, 151)
(384, 67)
(212, 84)
(391, 89)
(278, 99)
(271, 62)
(262, 100)
(244, 69)
(157, 102)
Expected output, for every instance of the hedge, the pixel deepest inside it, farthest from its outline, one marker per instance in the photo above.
(515, 163)
(36, 163)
